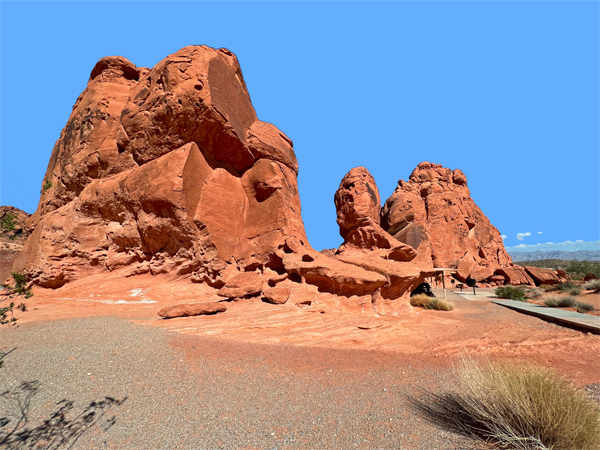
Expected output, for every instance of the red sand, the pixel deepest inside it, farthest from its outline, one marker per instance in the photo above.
(473, 327)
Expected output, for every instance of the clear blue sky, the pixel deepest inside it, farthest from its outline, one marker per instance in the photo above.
(505, 91)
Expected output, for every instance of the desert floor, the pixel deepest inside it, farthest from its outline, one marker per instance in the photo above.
(258, 376)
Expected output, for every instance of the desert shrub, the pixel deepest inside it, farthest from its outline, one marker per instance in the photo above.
(517, 406)
(591, 285)
(578, 269)
(549, 287)
(47, 185)
(560, 302)
(511, 292)
(574, 291)
(4, 314)
(584, 307)
(8, 222)
(534, 293)
(426, 302)
(566, 286)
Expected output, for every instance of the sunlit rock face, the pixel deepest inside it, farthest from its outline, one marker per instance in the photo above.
(434, 213)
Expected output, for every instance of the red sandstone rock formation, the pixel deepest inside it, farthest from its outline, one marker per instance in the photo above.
(515, 275)
(433, 212)
(194, 309)
(169, 170)
(542, 276)
(369, 246)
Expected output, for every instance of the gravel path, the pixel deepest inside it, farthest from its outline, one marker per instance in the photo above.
(192, 392)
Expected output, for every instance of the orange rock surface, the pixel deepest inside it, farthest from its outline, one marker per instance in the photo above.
(169, 170)
(434, 213)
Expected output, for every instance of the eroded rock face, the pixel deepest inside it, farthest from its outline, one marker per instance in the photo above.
(366, 244)
(542, 276)
(433, 212)
(166, 169)
(169, 170)
(13, 235)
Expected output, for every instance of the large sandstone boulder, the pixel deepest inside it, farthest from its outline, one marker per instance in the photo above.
(515, 275)
(433, 212)
(542, 276)
(168, 170)
(191, 309)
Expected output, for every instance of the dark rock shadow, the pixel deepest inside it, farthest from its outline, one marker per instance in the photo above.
(62, 429)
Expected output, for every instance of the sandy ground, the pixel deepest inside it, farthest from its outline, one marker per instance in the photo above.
(331, 375)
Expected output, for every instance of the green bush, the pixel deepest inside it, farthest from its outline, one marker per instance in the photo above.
(8, 222)
(511, 292)
(47, 185)
(579, 269)
(20, 288)
(515, 406)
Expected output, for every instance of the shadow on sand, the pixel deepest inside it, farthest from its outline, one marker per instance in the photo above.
(62, 429)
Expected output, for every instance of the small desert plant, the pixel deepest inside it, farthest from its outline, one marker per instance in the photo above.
(584, 307)
(20, 288)
(534, 293)
(5, 311)
(511, 292)
(566, 286)
(591, 285)
(8, 222)
(549, 287)
(560, 302)
(574, 291)
(426, 302)
(568, 302)
(517, 406)
(47, 185)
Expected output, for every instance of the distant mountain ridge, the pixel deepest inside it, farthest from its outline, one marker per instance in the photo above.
(579, 255)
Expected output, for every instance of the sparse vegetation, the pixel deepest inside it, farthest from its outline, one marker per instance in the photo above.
(568, 302)
(517, 406)
(584, 307)
(8, 222)
(20, 288)
(575, 291)
(426, 302)
(47, 185)
(534, 293)
(591, 285)
(511, 292)
(560, 302)
(4, 312)
(575, 269)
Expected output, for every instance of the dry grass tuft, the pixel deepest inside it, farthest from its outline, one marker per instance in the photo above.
(424, 301)
(560, 302)
(517, 406)
(568, 302)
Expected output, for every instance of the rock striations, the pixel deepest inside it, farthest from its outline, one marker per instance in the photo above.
(169, 171)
